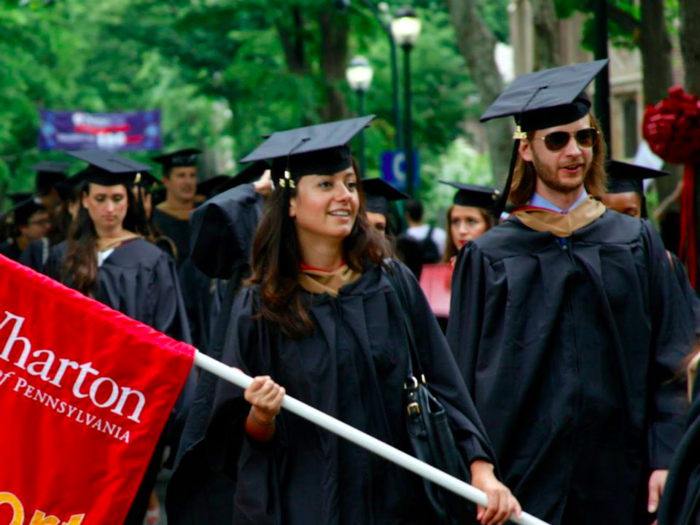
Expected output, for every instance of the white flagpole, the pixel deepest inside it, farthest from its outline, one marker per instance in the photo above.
(361, 439)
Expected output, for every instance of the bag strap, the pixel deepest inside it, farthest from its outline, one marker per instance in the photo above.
(413, 359)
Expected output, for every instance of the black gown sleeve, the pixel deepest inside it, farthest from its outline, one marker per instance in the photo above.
(222, 231)
(254, 466)
(443, 376)
(672, 342)
(467, 306)
(164, 294)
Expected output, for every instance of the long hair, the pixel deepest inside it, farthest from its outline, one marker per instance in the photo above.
(80, 267)
(450, 248)
(277, 259)
(525, 176)
(62, 219)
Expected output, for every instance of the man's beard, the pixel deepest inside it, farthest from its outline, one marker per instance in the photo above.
(549, 179)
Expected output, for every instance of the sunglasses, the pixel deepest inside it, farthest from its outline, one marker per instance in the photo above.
(558, 140)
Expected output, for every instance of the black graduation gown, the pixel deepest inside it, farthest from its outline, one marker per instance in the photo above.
(199, 492)
(202, 298)
(223, 229)
(36, 254)
(680, 504)
(353, 368)
(569, 354)
(221, 238)
(10, 250)
(177, 230)
(139, 280)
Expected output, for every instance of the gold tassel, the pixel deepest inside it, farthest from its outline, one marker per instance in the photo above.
(287, 178)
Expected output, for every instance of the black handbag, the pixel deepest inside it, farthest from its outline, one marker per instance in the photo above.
(430, 433)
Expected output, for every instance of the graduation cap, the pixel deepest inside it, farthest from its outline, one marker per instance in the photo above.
(211, 185)
(473, 195)
(548, 98)
(378, 194)
(249, 175)
(629, 178)
(48, 174)
(624, 177)
(541, 100)
(109, 169)
(179, 158)
(313, 150)
(26, 205)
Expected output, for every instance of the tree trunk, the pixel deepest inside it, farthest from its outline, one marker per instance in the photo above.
(335, 27)
(476, 43)
(655, 45)
(292, 38)
(546, 34)
(690, 44)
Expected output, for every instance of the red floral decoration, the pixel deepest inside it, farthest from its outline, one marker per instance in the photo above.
(672, 129)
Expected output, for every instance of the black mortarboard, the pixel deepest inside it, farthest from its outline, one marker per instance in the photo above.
(183, 157)
(109, 169)
(549, 98)
(624, 177)
(541, 100)
(378, 193)
(210, 186)
(247, 176)
(26, 205)
(473, 195)
(16, 198)
(48, 174)
(312, 150)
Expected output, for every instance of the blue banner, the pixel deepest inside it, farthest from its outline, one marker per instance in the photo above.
(77, 130)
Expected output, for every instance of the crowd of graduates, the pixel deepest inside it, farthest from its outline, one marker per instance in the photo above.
(556, 338)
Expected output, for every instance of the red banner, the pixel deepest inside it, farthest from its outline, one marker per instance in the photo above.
(84, 395)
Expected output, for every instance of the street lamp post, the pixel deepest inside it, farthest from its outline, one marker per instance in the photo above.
(359, 75)
(406, 28)
(382, 15)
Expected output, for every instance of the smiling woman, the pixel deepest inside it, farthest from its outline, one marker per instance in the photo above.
(319, 316)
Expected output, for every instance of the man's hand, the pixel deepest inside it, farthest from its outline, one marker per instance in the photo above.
(657, 481)
(264, 185)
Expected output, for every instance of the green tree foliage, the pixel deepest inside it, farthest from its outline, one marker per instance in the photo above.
(623, 19)
(223, 71)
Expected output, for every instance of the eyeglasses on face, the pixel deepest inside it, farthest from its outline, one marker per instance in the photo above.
(558, 140)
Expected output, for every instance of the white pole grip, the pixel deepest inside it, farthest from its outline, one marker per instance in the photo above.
(361, 439)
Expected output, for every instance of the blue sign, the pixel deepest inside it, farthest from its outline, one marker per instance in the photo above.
(75, 130)
(394, 169)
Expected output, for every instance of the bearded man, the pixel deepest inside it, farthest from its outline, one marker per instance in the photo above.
(562, 326)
